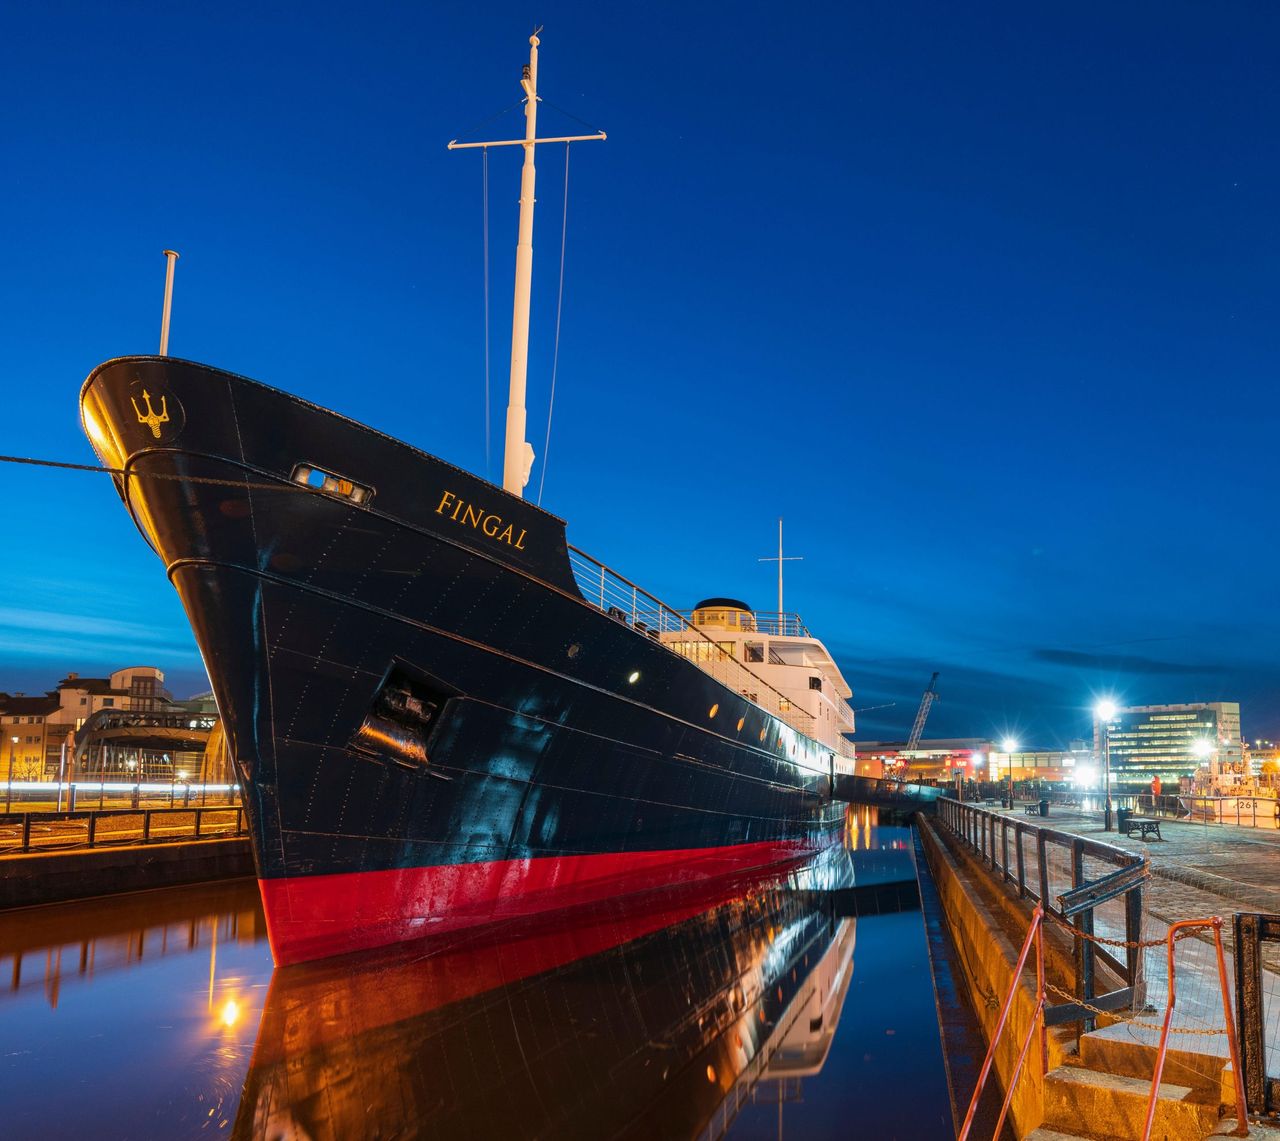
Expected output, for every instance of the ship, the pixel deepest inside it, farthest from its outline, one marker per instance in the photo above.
(441, 714)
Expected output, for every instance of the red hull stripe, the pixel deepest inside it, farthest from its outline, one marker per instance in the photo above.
(313, 917)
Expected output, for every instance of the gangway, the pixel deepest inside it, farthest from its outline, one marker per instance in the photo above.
(884, 792)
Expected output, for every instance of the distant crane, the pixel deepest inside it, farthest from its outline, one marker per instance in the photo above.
(930, 696)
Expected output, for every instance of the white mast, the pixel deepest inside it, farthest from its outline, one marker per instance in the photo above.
(780, 560)
(518, 453)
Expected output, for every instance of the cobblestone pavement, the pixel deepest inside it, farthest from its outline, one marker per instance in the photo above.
(1198, 870)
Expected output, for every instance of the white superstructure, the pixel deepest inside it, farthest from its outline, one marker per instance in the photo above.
(780, 651)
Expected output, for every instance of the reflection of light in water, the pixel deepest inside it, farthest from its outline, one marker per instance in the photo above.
(230, 1013)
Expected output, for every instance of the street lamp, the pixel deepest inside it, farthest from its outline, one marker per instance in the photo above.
(8, 796)
(1204, 750)
(1010, 747)
(1105, 711)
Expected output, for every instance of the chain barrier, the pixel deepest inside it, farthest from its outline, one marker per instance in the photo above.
(1132, 944)
(1131, 1020)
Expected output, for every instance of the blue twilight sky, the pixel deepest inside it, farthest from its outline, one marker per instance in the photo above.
(981, 298)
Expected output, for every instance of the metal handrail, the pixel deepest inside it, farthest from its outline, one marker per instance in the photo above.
(1034, 933)
(988, 835)
(633, 605)
(777, 624)
(92, 837)
(1242, 1113)
(1247, 810)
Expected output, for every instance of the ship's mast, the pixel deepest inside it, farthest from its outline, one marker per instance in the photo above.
(780, 560)
(517, 453)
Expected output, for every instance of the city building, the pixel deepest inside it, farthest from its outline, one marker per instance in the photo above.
(35, 728)
(1141, 742)
(1048, 765)
(1261, 757)
(24, 722)
(973, 758)
(930, 761)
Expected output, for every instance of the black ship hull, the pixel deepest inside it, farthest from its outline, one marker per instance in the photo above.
(432, 726)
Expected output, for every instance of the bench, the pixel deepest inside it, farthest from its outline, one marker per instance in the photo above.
(1144, 828)
(1032, 808)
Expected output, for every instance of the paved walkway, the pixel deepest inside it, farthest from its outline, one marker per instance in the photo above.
(1198, 869)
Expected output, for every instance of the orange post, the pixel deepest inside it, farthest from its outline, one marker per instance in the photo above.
(1037, 918)
(1242, 1111)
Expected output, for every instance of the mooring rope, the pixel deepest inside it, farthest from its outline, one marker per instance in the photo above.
(98, 469)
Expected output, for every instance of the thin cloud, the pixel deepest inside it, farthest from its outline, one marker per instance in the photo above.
(1122, 663)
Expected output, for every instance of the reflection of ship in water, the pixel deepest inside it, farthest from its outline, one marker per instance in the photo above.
(71, 944)
(804, 1048)
(643, 1019)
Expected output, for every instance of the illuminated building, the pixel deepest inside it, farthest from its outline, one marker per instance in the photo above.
(1146, 741)
(42, 724)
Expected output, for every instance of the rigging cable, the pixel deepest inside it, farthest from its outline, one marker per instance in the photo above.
(555, 356)
(488, 434)
(569, 115)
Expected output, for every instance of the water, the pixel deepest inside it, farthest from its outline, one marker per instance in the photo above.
(799, 1005)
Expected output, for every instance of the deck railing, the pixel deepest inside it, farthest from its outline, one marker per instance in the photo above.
(634, 606)
(776, 624)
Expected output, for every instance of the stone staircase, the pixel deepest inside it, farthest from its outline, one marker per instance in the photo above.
(1102, 1093)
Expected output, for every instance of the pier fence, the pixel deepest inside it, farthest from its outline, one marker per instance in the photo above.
(1084, 884)
(26, 832)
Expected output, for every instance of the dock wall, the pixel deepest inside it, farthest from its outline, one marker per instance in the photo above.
(56, 877)
(987, 927)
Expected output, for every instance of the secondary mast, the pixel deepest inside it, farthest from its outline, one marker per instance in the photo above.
(517, 456)
(780, 560)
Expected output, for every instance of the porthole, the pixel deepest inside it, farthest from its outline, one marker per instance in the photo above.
(574, 650)
(741, 722)
(713, 710)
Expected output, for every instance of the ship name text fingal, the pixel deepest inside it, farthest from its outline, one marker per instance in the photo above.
(468, 514)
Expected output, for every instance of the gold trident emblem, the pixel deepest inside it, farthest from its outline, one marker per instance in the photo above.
(152, 420)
